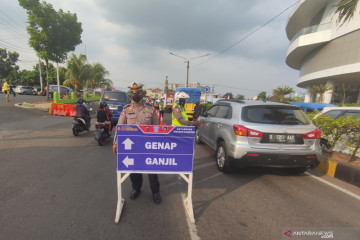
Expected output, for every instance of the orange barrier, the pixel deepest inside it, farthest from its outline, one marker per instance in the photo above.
(63, 109)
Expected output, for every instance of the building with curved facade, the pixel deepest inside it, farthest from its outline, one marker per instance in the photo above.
(324, 51)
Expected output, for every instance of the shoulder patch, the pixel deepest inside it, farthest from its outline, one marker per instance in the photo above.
(127, 105)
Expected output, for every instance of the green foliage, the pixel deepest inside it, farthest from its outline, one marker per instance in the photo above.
(206, 106)
(320, 89)
(332, 130)
(353, 138)
(262, 96)
(240, 97)
(52, 34)
(8, 64)
(346, 10)
(280, 92)
(226, 95)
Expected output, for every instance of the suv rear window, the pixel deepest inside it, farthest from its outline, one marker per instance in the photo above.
(114, 97)
(287, 115)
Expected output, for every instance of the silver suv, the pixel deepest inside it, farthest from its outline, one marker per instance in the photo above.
(256, 133)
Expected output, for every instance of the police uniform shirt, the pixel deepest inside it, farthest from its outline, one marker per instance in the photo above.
(180, 118)
(138, 115)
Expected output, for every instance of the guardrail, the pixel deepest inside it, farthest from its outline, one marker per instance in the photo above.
(73, 98)
(311, 29)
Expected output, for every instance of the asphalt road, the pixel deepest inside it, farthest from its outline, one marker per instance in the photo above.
(57, 186)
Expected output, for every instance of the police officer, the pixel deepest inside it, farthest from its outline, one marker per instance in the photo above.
(179, 115)
(139, 112)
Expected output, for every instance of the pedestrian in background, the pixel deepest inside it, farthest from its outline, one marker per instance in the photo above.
(6, 90)
(12, 90)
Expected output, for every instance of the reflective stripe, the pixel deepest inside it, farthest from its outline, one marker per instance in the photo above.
(175, 122)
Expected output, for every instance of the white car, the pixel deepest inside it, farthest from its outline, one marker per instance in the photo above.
(336, 112)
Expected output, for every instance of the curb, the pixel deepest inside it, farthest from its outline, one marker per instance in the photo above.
(342, 171)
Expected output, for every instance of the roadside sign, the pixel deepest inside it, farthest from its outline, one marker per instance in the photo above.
(207, 89)
(155, 149)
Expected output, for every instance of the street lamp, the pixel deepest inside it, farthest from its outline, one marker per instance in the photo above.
(188, 61)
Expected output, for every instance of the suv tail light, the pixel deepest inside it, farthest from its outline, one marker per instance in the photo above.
(243, 131)
(312, 135)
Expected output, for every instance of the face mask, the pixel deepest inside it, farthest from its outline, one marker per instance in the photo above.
(137, 98)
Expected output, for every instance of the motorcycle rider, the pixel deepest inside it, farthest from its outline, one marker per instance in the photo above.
(83, 112)
(102, 117)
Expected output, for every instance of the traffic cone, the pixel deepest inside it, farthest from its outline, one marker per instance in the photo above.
(161, 120)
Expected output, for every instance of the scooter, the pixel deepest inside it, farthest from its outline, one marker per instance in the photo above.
(78, 126)
(102, 133)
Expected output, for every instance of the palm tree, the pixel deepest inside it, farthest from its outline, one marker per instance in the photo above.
(346, 10)
(282, 91)
(320, 89)
(77, 70)
(97, 73)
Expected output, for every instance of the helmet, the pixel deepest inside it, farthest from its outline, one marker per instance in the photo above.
(102, 105)
(179, 95)
(80, 100)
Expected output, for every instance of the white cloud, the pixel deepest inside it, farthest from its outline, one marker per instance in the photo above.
(132, 40)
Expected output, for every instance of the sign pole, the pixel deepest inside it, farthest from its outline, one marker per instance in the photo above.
(188, 200)
(121, 201)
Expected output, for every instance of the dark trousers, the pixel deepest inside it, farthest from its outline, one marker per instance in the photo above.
(137, 180)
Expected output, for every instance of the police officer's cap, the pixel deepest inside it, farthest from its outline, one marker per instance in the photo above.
(135, 87)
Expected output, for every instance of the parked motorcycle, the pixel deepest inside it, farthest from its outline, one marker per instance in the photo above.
(78, 126)
(101, 133)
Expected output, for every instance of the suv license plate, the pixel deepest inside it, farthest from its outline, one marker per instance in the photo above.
(282, 138)
(113, 107)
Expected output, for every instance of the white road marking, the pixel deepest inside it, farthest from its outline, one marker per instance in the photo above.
(192, 227)
(334, 186)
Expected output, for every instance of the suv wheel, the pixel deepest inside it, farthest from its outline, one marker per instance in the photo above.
(197, 137)
(222, 158)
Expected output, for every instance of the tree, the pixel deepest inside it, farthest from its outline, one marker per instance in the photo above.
(346, 10)
(228, 95)
(280, 92)
(353, 138)
(320, 89)
(96, 78)
(77, 70)
(262, 96)
(52, 34)
(240, 97)
(8, 63)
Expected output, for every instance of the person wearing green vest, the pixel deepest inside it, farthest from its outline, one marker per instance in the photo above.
(161, 107)
(179, 115)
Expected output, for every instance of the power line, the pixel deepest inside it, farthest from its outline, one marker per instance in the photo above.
(247, 35)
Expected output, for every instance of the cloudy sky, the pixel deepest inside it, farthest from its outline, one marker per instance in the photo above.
(133, 38)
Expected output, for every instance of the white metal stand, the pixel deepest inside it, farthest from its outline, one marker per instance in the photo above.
(121, 201)
(187, 202)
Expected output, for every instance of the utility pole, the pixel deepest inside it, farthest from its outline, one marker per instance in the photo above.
(188, 65)
(41, 81)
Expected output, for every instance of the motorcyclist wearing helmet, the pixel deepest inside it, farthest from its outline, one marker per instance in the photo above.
(102, 117)
(179, 115)
(83, 112)
(109, 115)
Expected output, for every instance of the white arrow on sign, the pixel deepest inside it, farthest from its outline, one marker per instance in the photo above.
(128, 144)
(128, 161)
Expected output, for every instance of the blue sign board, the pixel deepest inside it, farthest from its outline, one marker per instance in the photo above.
(155, 149)
(207, 89)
